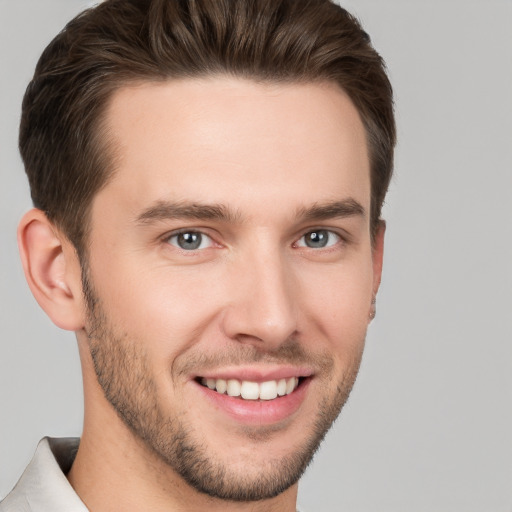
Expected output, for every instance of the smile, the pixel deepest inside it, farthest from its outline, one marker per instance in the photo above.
(248, 390)
(256, 397)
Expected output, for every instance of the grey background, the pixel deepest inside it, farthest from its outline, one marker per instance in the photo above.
(429, 424)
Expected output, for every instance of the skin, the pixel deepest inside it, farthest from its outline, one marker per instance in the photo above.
(253, 298)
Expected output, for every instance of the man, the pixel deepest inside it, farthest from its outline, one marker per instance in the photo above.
(207, 180)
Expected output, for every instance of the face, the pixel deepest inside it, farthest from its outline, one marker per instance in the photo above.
(230, 275)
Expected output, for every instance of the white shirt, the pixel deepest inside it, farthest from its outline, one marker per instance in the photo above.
(43, 487)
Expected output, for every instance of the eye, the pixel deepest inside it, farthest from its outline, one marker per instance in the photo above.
(319, 239)
(190, 240)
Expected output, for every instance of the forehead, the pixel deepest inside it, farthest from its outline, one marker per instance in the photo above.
(228, 140)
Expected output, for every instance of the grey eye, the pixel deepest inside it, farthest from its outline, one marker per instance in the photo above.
(190, 240)
(318, 239)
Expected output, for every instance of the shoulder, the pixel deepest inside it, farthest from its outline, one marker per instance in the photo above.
(43, 485)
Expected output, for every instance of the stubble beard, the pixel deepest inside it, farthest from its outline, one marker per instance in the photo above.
(123, 371)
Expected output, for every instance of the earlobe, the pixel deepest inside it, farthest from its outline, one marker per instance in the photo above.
(52, 270)
(377, 259)
(378, 256)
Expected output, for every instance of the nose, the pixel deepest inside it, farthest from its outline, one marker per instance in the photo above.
(262, 309)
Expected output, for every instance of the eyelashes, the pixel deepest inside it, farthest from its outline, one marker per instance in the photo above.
(318, 239)
(192, 240)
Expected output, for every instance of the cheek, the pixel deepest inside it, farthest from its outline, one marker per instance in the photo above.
(339, 306)
(170, 309)
(166, 308)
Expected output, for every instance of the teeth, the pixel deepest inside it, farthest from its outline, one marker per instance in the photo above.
(248, 390)
(281, 387)
(291, 384)
(268, 390)
(233, 387)
(221, 385)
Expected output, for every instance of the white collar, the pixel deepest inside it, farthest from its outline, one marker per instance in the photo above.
(44, 486)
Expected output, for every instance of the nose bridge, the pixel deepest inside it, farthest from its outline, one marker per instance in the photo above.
(263, 307)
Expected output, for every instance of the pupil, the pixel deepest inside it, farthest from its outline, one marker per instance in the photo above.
(317, 239)
(189, 241)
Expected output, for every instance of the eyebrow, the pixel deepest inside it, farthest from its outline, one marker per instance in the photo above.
(167, 210)
(333, 210)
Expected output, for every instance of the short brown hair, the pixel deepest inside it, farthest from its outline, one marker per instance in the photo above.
(122, 41)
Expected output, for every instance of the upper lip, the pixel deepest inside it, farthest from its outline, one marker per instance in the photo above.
(257, 374)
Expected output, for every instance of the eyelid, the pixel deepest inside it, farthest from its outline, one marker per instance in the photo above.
(173, 234)
(330, 232)
(342, 236)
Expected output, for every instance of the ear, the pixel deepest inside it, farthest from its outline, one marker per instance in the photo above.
(378, 255)
(52, 270)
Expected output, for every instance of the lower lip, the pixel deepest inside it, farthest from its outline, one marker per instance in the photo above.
(258, 412)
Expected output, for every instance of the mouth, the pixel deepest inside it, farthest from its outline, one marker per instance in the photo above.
(256, 396)
(252, 390)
